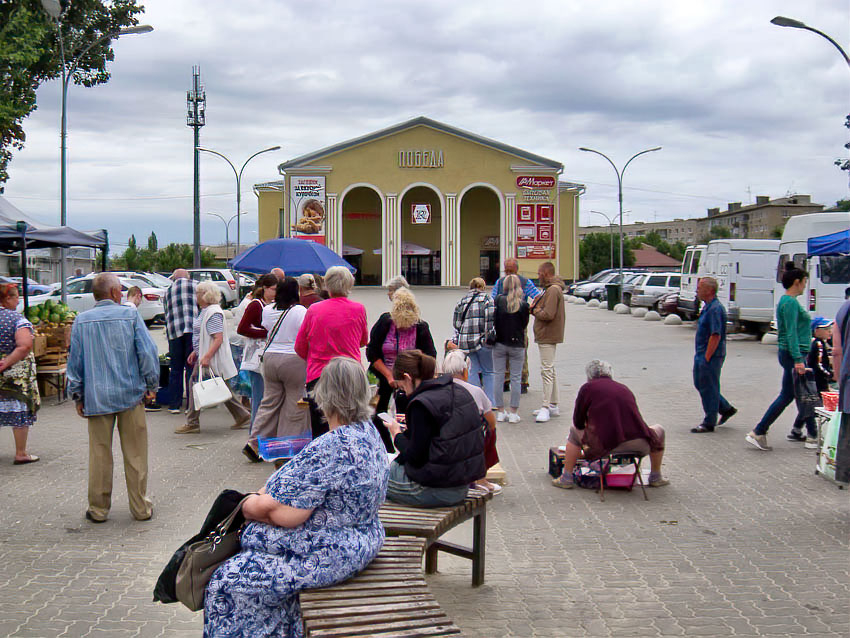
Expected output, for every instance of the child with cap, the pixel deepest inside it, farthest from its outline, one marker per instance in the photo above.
(819, 361)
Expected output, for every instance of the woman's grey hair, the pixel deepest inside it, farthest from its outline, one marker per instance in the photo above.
(395, 283)
(209, 292)
(338, 281)
(307, 282)
(597, 368)
(343, 391)
(455, 362)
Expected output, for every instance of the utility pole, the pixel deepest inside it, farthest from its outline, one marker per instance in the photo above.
(196, 102)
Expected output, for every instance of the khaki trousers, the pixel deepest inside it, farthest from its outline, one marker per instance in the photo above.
(133, 434)
(279, 414)
(547, 372)
(233, 405)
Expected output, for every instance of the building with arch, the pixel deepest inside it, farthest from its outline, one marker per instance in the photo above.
(434, 203)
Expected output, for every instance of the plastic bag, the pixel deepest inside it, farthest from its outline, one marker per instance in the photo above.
(806, 394)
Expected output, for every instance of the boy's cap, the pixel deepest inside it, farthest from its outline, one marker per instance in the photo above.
(821, 322)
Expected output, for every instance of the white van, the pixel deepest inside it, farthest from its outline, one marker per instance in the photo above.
(744, 270)
(829, 275)
(688, 304)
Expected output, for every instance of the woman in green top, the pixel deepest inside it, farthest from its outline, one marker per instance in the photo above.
(794, 329)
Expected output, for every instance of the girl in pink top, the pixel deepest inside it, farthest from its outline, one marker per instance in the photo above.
(332, 328)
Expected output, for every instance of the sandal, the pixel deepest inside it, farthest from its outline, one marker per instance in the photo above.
(32, 458)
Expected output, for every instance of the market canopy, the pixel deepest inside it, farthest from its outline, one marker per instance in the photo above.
(832, 244)
(40, 235)
(295, 256)
(409, 248)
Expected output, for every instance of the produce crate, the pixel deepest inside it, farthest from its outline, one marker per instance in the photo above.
(46, 389)
(52, 356)
(39, 345)
(59, 336)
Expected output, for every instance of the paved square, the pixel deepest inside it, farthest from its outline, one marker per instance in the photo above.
(742, 543)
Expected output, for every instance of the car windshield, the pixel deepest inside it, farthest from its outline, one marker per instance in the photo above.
(835, 269)
(135, 282)
(159, 280)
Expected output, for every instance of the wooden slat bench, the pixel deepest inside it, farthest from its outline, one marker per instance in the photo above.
(431, 523)
(389, 599)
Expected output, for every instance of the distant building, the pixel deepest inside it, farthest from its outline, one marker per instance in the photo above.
(762, 220)
(648, 257)
(43, 263)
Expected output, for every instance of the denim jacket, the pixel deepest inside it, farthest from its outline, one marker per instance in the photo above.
(113, 359)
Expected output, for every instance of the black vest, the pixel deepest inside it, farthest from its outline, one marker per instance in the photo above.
(456, 455)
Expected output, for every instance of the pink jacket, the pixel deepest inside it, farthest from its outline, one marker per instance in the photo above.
(332, 328)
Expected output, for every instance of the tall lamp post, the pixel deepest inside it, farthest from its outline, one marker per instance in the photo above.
(620, 174)
(226, 231)
(238, 175)
(610, 232)
(782, 21)
(54, 10)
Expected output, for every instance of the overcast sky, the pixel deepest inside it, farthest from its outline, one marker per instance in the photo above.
(740, 107)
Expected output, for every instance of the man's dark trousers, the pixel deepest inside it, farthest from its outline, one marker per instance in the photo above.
(707, 383)
(179, 350)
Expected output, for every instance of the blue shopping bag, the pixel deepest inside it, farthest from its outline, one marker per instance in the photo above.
(283, 447)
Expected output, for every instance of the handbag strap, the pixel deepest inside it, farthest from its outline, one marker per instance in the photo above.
(276, 327)
(223, 528)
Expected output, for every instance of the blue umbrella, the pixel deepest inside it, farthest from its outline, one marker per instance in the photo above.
(295, 256)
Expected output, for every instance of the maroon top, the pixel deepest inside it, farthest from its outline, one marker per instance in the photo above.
(308, 299)
(252, 321)
(609, 413)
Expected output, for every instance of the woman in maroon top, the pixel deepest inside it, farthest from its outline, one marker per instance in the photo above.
(251, 327)
(308, 290)
(606, 420)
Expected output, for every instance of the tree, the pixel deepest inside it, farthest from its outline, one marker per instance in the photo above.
(30, 56)
(168, 259)
(843, 204)
(153, 244)
(716, 232)
(130, 258)
(595, 253)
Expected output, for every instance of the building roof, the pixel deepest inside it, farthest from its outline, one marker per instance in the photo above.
(648, 257)
(419, 121)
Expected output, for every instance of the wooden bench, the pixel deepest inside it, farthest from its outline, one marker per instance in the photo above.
(389, 599)
(431, 523)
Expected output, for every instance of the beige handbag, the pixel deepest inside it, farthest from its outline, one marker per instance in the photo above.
(203, 558)
(211, 392)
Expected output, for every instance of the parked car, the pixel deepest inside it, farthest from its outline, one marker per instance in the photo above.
(224, 279)
(601, 292)
(602, 273)
(651, 286)
(586, 289)
(33, 287)
(80, 297)
(688, 301)
(667, 304)
(153, 280)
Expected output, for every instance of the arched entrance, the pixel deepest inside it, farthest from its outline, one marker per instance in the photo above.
(480, 208)
(362, 210)
(421, 235)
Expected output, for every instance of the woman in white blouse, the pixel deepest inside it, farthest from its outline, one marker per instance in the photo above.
(284, 372)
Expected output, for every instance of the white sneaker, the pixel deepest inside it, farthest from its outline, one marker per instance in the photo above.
(513, 417)
(501, 417)
(554, 410)
(542, 415)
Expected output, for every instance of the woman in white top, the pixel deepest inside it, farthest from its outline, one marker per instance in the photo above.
(284, 372)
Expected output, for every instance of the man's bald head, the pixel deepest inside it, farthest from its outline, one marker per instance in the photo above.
(103, 284)
(511, 266)
(180, 273)
(278, 272)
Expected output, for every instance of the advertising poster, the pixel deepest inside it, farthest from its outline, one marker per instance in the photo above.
(545, 213)
(525, 213)
(535, 227)
(308, 205)
(420, 213)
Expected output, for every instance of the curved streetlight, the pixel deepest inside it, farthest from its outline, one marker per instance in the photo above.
(238, 175)
(610, 232)
(54, 9)
(782, 21)
(226, 232)
(620, 174)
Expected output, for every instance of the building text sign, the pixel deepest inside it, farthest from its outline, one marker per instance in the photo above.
(420, 214)
(535, 231)
(308, 202)
(536, 188)
(420, 158)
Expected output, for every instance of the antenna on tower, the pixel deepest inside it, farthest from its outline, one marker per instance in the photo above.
(196, 105)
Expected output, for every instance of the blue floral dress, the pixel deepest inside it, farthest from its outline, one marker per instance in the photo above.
(15, 411)
(342, 476)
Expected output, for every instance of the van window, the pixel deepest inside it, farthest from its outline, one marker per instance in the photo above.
(835, 269)
(686, 265)
(799, 262)
(695, 262)
(674, 282)
(656, 280)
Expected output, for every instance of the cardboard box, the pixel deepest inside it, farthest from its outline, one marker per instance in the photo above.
(39, 345)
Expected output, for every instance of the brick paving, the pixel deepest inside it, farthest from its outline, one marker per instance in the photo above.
(742, 543)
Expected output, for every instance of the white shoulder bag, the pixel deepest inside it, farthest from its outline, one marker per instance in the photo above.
(211, 392)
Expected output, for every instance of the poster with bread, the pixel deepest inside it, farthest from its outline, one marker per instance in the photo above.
(308, 203)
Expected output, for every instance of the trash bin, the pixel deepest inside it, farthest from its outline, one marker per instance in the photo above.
(613, 292)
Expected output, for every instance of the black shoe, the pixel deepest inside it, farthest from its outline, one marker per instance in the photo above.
(524, 388)
(702, 429)
(153, 407)
(251, 454)
(725, 416)
(796, 436)
(93, 519)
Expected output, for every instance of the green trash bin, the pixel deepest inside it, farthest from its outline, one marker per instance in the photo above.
(613, 292)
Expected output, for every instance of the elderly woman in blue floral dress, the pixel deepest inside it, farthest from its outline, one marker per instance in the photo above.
(315, 523)
(19, 399)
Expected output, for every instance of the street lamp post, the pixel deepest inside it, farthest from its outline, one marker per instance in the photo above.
(611, 233)
(238, 175)
(54, 9)
(620, 174)
(782, 21)
(226, 232)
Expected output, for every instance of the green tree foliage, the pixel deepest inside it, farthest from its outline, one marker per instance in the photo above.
(843, 204)
(153, 243)
(717, 232)
(167, 259)
(595, 254)
(30, 56)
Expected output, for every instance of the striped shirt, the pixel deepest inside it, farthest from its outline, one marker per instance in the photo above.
(214, 326)
(180, 308)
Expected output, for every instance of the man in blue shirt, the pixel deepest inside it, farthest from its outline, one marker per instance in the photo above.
(112, 369)
(709, 357)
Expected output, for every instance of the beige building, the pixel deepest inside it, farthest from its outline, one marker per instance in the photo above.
(762, 220)
(434, 203)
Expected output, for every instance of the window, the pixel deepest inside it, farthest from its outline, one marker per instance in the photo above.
(835, 269)
(686, 265)
(695, 262)
(78, 287)
(674, 282)
(799, 262)
(202, 275)
(656, 280)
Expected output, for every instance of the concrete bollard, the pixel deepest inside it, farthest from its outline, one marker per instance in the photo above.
(593, 303)
(640, 313)
(622, 309)
(652, 316)
(770, 338)
(672, 320)
(580, 301)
